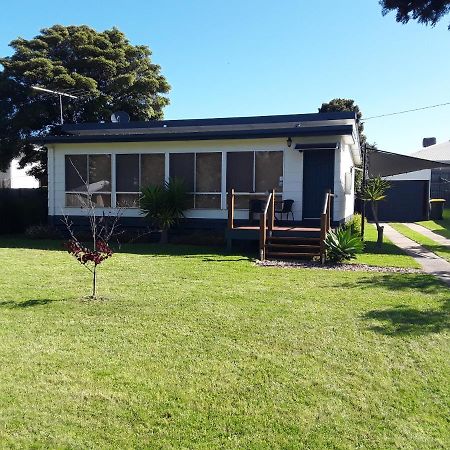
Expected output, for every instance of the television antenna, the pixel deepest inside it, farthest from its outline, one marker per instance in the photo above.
(58, 93)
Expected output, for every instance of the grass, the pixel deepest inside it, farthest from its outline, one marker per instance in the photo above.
(388, 256)
(430, 244)
(198, 349)
(441, 227)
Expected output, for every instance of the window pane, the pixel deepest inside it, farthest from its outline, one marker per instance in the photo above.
(101, 200)
(152, 170)
(127, 173)
(76, 201)
(182, 166)
(268, 170)
(207, 201)
(208, 172)
(127, 200)
(99, 173)
(76, 172)
(240, 171)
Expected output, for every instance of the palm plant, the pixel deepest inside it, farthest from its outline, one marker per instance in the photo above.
(373, 192)
(164, 205)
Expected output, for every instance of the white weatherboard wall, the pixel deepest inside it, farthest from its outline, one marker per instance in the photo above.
(292, 171)
(344, 201)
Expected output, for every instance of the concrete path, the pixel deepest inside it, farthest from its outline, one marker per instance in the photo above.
(430, 262)
(441, 240)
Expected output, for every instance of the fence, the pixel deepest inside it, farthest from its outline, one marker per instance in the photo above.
(20, 208)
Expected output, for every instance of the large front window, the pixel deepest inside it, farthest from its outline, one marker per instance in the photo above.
(250, 173)
(88, 174)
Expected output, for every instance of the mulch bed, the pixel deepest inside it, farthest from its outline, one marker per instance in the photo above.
(329, 266)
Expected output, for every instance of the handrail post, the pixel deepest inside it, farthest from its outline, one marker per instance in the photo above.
(329, 209)
(231, 209)
(262, 236)
(323, 235)
(272, 212)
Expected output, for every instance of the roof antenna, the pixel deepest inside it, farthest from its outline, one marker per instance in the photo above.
(60, 94)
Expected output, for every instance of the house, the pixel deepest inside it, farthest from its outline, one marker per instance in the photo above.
(415, 179)
(440, 176)
(300, 157)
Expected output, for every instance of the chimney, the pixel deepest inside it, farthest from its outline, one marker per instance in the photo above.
(428, 141)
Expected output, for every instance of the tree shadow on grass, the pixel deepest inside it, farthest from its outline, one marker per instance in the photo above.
(428, 284)
(403, 320)
(387, 248)
(27, 303)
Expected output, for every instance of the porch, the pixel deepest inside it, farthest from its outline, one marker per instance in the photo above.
(280, 240)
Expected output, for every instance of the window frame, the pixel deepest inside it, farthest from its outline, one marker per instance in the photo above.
(116, 192)
(194, 193)
(254, 193)
(81, 193)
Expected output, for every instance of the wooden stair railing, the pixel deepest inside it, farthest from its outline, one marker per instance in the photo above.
(265, 228)
(231, 209)
(325, 224)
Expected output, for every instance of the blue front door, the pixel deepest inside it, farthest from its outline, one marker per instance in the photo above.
(318, 177)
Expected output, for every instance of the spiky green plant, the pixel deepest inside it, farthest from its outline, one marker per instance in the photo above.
(343, 245)
(164, 205)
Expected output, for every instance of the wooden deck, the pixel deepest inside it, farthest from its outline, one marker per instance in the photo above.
(276, 228)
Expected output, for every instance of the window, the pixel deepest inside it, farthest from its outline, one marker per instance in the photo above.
(88, 174)
(202, 174)
(127, 181)
(133, 172)
(254, 172)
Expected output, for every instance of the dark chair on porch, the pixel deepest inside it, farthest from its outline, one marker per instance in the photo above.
(286, 208)
(255, 206)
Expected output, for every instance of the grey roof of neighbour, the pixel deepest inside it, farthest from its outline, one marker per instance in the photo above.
(436, 152)
(316, 124)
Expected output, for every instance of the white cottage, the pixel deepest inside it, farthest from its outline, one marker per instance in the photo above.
(300, 157)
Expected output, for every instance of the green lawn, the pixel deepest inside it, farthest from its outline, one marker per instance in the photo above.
(388, 255)
(441, 227)
(433, 246)
(198, 349)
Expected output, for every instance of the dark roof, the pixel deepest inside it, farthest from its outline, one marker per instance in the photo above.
(383, 164)
(199, 129)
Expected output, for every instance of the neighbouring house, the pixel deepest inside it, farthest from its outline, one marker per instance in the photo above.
(440, 176)
(5, 179)
(411, 189)
(300, 157)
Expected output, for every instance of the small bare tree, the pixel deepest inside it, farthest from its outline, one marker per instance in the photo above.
(102, 229)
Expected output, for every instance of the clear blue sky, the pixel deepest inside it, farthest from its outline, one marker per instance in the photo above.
(248, 57)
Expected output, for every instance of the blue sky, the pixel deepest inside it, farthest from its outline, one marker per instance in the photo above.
(248, 57)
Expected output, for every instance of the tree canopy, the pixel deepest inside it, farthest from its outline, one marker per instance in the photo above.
(428, 12)
(345, 104)
(107, 72)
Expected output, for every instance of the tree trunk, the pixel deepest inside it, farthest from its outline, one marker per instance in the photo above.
(380, 229)
(164, 238)
(94, 282)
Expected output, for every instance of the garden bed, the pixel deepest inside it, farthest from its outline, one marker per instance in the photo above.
(353, 267)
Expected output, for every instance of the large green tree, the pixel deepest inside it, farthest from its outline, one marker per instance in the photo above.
(345, 105)
(107, 71)
(428, 12)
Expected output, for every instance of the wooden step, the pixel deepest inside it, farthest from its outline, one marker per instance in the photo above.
(293, 238)
(290, 254)
(293, 246)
